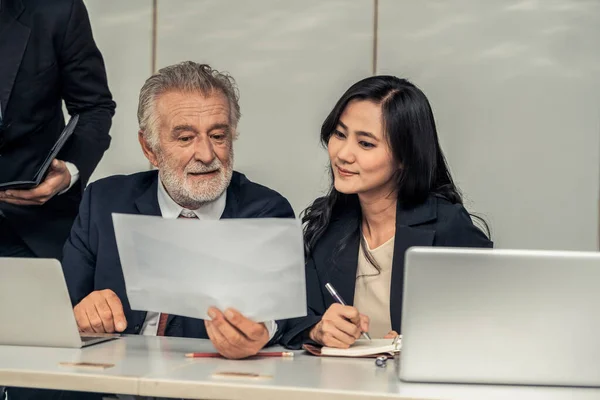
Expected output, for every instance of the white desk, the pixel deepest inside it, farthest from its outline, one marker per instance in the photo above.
(153, 366)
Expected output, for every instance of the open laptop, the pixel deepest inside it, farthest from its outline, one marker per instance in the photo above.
(501, 317)
(35, 309)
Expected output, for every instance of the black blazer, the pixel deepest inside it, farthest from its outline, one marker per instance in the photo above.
(436, 222)
(47, 55)
(91, 260)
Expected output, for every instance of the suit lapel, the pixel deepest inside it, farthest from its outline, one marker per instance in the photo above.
(147, 204)
(408, 235)
(231, 204)
(343, 274)
(13, 41)
(341, 263)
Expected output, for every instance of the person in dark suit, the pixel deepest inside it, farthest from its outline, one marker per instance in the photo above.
(391, 190)
(48, 55)
(188, 114)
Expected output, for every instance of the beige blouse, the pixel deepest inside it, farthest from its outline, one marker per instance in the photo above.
(372, 291)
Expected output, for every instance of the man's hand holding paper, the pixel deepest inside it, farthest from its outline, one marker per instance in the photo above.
(235, 336)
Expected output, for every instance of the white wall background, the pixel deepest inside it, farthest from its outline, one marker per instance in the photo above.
(123, 32)
(515, 86)
(291, 60)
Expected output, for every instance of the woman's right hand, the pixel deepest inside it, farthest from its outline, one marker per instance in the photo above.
(339, 327)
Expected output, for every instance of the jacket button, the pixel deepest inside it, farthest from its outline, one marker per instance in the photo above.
(137, 328)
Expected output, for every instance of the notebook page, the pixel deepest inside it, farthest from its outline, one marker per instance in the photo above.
(362, 347)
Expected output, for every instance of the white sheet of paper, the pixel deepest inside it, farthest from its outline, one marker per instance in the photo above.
(184, 266)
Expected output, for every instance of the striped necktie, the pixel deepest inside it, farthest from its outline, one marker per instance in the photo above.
(162, 321)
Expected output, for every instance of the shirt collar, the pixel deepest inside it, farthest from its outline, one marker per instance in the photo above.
(207, 211)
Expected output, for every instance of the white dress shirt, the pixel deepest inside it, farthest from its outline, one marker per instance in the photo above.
(171, 210)
(74, 171)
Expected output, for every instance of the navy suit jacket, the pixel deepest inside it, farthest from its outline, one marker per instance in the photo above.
(91, 260)
(47, 55)
(436, 222)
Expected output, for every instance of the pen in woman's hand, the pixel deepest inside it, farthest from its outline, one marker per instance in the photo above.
(339, 299)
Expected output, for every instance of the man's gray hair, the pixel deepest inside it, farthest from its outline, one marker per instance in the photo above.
(186, 76)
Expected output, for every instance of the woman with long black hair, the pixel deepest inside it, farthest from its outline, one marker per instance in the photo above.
(391, 190)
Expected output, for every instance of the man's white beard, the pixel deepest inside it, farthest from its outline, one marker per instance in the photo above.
(192, 194)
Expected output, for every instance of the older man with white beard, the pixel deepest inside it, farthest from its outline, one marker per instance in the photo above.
(188, 114)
